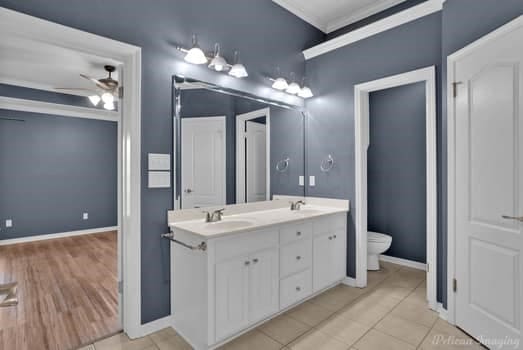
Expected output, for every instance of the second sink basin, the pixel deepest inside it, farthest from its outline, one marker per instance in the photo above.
(307, 211)
(229, 224)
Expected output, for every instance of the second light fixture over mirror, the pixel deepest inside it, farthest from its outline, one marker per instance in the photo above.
(216, 62)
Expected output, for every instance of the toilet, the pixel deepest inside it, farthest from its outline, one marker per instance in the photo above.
(377, 243)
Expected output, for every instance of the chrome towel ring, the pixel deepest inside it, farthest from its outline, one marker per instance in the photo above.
(282, 165)
(327, 164)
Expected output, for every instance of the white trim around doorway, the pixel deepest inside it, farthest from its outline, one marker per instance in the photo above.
(18, 25)
(361, 127)
(240, 151)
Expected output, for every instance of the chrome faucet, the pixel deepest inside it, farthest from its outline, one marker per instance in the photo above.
(214, 216)
(297, 205)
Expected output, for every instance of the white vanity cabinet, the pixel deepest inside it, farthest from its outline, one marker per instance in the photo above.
(245, 278)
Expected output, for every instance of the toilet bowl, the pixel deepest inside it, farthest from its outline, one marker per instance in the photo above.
(377, 243)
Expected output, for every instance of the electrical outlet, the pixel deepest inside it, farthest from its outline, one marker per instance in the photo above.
(9, 223)
(312, 181)
(302, 180)
(85, 216)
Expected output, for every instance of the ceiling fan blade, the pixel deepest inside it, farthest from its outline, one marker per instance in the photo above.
(96, 81)
(80, 89)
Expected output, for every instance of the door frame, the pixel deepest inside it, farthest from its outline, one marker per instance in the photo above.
(361, 129)
(17, 24)
(240, 151)
(451, 157)
(223, 119)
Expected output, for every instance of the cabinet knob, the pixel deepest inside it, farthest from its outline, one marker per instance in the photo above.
(298, 257)
(255, 261)
(298, 289)
(298, 233)
(247, 263)
(334, 236)
(330, 238)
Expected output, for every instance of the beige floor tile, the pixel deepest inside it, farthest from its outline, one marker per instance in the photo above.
(88, 347)
(309, 313)
(122, 342)
(375, 340)
(343, 329)
(392, 292)
(402, 329)
(284, 329)
(403, 280)
(437, 340)
(165, 333)
(172, 343)
(415, 312)
(366, 313)
(336, 298)
(253, 340)
(316, 340)
(388, 266)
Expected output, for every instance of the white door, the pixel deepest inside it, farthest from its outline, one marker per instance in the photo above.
(322, 274)
(489, 184)
(203, 162)
(263, 284)
(256, 162)
(339, 253)
(232, 296)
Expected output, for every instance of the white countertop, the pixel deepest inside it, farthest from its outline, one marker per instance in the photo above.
(254, 220)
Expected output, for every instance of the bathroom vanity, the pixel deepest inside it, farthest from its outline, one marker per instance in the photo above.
(260, 260)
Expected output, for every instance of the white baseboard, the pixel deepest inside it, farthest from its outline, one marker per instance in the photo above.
(349, 281)
(153, 326)
(443, 313)
(57, 235)
(404, 262)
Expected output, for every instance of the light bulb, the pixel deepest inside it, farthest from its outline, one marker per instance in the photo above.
(218, 63)
(305, 92)
(238, 70)
(280, 84)
(293, 88)
(107, 97)
(195, 55)
(95, 99)
(109, 106)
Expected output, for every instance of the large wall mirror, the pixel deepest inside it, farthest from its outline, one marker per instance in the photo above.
(232, 147)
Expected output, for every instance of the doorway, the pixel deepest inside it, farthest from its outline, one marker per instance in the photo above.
(485, 192)
(253, 156)
(362, 139)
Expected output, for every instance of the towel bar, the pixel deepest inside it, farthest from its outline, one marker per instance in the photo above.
(170, 236)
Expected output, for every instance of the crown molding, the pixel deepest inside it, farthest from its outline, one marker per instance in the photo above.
(298, 11)
(426, 8)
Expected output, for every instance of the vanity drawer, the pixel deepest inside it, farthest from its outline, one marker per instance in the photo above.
(245, 243)
(290, 233)
(295, 256)
(295, 288)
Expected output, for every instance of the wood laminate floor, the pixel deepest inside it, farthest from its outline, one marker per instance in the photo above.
(67, 290)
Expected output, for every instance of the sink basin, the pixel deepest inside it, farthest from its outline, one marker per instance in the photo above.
(308, 211)
(229, 225)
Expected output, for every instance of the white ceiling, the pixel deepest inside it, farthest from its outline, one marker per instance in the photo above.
(330, 15)
(42, 66)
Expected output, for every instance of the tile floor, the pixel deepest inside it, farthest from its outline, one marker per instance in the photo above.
(390, 314)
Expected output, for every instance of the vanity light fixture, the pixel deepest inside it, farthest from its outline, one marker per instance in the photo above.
(107, 98)
(95, 99)
(280, 84)
(238, 70)
(305, 91)
(109, 106)
(195, 55)
(218, 63)
(293, 87)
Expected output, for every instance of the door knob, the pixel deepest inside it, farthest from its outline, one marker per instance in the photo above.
(517, 218)
(188, 190)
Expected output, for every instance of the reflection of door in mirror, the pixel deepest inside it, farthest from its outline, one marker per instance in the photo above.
(203, 162)
(252, 151)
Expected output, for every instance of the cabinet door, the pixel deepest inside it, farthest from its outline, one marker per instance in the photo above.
(322, 260)
(263, 284)
(339, 254)
(232, 283)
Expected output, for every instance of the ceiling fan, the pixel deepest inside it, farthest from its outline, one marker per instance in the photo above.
(106, 89)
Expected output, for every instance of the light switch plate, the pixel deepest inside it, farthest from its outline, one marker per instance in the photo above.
(302, 180)
(85, 216)
(9, 223)
(159, 161)
(312, 181)
(159, 179)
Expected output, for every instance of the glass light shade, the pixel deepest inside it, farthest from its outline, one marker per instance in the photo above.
(109, 106)
(108, 97)
(195, 56)
(95, 99)
(305, 92)
(293, 88)
(218, 63)
(280, 84)
(238, 71)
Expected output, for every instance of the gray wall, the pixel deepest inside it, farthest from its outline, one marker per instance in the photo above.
(53, 170)
(330, 127)
(245, 25)
(396, 169)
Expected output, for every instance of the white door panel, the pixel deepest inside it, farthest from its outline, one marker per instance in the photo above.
(203, 162)
(256, 161)
(489, 170)
(263, 284)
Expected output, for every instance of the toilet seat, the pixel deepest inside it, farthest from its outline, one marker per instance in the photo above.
(378, 237)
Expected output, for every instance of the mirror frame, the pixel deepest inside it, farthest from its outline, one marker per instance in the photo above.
(177, 80)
